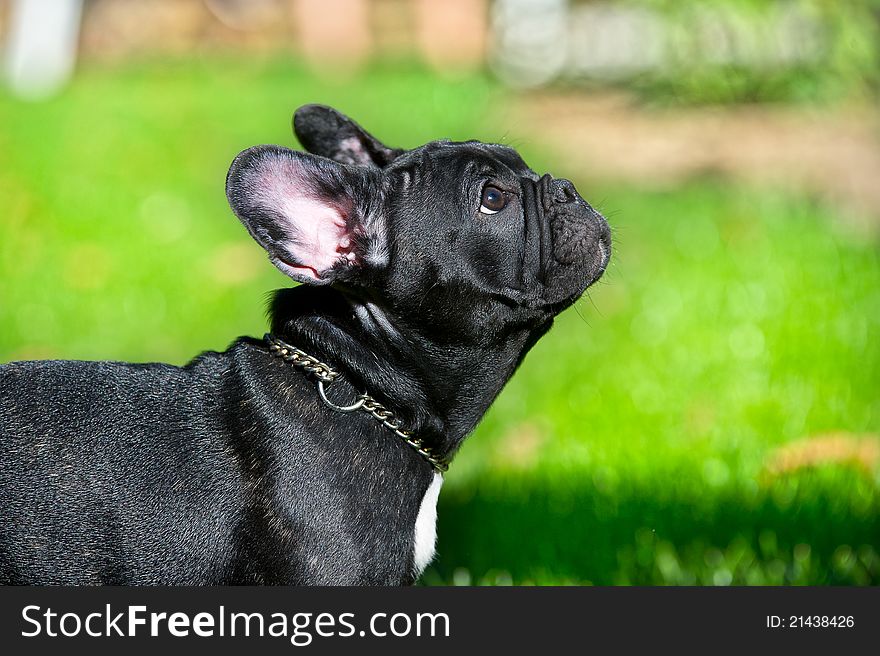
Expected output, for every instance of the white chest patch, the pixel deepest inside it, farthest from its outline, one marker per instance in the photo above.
(426, 526)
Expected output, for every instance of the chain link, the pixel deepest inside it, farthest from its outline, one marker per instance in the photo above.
(325, 375)
(323, 372)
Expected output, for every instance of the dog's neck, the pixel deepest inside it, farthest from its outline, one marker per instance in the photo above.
(439, 392)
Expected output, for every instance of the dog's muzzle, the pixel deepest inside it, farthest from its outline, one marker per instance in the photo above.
(579, 234)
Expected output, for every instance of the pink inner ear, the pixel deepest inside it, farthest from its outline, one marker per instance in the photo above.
(352, 150)
(318, 237)
(318, 231)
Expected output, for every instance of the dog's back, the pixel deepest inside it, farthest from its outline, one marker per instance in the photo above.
(97, 460)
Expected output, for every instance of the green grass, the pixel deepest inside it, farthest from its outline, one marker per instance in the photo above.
(636, 443)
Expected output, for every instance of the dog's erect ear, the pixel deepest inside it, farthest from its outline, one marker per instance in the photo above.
(324, 131)
(319, 221)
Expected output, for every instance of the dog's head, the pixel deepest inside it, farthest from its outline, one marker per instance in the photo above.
(423, 232)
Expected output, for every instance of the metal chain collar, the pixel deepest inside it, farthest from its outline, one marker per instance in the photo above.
(325, 375)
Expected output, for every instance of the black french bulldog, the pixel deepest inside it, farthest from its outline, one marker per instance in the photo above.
(313, 456)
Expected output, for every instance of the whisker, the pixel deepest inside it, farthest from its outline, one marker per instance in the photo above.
(593, 303)
(437, 282)
(580, 314)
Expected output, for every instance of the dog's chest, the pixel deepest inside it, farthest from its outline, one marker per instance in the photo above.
(425, 537)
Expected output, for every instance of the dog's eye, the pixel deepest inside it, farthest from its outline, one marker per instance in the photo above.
(493, 200)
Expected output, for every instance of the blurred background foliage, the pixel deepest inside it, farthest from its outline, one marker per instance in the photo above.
(707, 414)
(762, 51)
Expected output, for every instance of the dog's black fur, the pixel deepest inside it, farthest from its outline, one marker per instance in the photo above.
(231, 469)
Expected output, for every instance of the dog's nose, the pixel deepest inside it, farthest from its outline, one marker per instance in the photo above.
(563, 191)
(556, 191)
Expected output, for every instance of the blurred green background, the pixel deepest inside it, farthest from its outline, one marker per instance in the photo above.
(707, 414)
